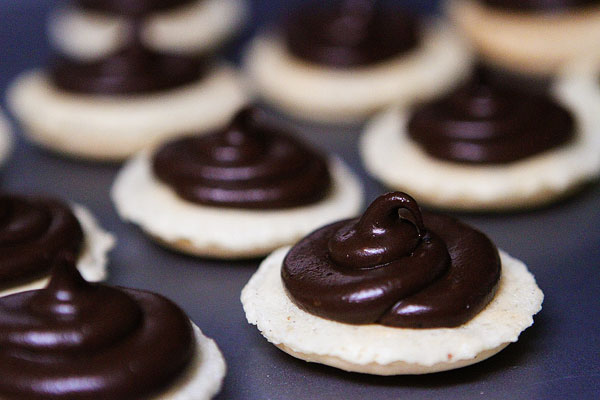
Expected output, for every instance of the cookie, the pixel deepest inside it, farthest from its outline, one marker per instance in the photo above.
(111, 128)
(241, 191)
(105, 343)
(536, 43)
(199, 27)
(216, 232)
(400, 162)
(382, 350)
(396, 291)
(347, 94)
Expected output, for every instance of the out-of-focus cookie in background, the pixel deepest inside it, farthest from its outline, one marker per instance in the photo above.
(341, 61)
(125, 76)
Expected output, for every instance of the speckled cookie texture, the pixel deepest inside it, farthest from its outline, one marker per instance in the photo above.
(381, 350)
(324, 94)
(225, 232)
(6, 140)
(93, 258)
(111, 128)
(204, 376)
(527, 43)
(393, 158)
(198, 27)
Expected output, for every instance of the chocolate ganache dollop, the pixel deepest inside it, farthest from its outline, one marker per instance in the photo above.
(32, 232)
(77, 340)
(541, 5)
(350, 33)
(483, 122)
(394, 266)
(248, 164)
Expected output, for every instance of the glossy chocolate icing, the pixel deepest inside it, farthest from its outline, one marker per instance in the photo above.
(32, 232)
(78, 340)
(482, 122)
(393, 266)
(131, 7)
(350, 33)
(540, 5)
(248, 164)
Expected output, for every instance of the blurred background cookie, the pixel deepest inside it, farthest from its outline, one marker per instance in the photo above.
(341, 61)
(485, 147)
(535, 37)
(109, 106)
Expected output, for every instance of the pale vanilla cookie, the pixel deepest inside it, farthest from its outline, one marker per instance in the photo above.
(230, 233)
(395, 159)
(6, 140)
(92, 259)
(529, 43)
(198, 27)
(203, 377)
(314, 92)
(382, 350)
(112, 128)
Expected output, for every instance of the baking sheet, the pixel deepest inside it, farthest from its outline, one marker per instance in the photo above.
(556, 358)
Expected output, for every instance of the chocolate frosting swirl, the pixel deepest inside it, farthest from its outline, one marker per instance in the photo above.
(540, 5)
(32, 232)
(482, 122)
(350, 33)
(77, 340)
(131, 7)
(393, 266)
(248, 164)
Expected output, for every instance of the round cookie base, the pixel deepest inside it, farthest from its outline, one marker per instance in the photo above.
(93, 259)
(204, 376)
(312, 92)
(525, 43)
(393, 158)
(225, 233)
(381, 350)
(199, 27)
(111, 128)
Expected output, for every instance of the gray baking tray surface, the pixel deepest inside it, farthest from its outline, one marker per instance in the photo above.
(557, 358)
